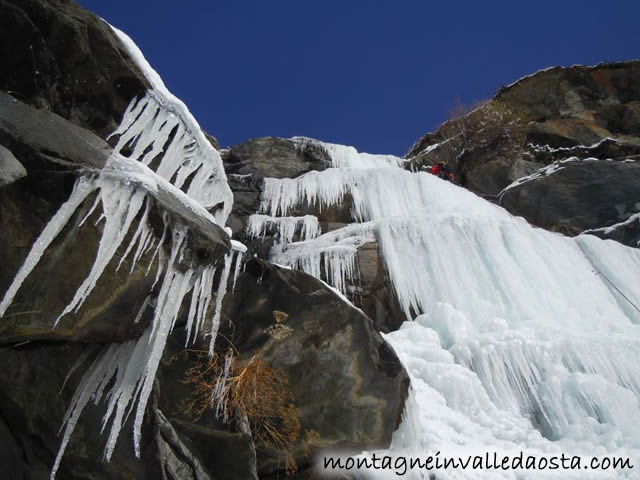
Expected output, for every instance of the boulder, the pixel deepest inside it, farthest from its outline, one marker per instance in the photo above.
(580, 196)
(348, 384)
(60, 57)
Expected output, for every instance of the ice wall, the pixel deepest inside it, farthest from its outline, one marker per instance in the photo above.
(517, 338)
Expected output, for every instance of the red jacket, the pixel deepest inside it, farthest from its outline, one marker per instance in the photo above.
(436, 169)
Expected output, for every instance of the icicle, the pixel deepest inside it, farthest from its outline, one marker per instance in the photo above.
(82, 188)
(134, 364)
(92, 383)
(120, 205)
(193, 307)
(219, 395)
(206, 287)
(331, 256)
(96, 202)
(142, 309)
(306, 227)
(209, 187)
(239, 256)
(222, 288)
(140, 236)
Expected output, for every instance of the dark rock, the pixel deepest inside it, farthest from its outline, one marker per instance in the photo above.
(175, 458)
(580, 196)
(60, 57)
(275, 157)
(578, 92)
(347, 382)
(10, 168)
(10, 454)
(376, 296)
(37, 136)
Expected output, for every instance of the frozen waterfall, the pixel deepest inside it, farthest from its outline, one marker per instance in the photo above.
(516, 338)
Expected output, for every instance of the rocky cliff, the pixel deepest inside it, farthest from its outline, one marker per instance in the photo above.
(559, 147)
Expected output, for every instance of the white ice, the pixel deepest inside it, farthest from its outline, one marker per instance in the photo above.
(190, 151)
(517, 338)
(283, 228)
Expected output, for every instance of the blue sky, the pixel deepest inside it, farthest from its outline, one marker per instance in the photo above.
(373, 74)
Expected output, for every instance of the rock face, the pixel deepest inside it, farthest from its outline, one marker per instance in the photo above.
(62, 58)
(576, 113)
(579, 197)
(376, 296)
(347, 383)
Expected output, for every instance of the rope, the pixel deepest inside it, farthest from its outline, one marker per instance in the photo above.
(598, 272)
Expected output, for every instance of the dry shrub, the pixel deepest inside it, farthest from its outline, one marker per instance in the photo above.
(252, 390)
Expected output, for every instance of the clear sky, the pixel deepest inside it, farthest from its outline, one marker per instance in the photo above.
(373, 74)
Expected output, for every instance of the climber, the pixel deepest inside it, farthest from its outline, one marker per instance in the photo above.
(443, 171)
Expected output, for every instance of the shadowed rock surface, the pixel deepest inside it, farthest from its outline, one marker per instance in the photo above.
(59, 57)
(557, 201)
(348, 384)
